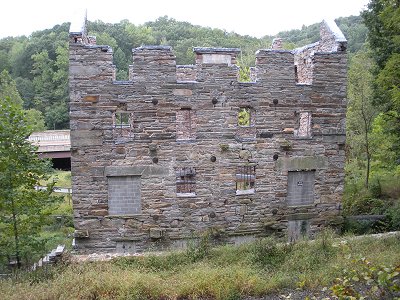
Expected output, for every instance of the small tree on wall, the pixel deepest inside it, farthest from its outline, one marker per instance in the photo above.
(23, 209)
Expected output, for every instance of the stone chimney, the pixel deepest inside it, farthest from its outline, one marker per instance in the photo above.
(277, 44)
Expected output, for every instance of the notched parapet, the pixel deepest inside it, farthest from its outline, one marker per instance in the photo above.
(158, 63)
(186, 73)
(274, 65)
(153, 63)
(216, 63)
(216, 56)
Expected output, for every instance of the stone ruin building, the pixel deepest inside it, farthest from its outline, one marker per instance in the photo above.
(179, 150)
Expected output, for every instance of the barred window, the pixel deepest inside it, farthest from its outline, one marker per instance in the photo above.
(245, 179)
(186, 181)
(122, 120)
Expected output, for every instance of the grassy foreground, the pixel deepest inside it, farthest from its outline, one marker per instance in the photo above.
(202, 272)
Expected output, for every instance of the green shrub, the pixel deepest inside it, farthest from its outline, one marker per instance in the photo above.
(393, 215)
(199, 249)
(365, 279)
(267, 253)
(153, 263)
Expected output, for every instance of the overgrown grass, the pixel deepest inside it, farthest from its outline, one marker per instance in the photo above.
(226, 272)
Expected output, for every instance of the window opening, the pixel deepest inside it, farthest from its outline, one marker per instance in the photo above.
(245, 178)
(186, 181)
(244, 116)
(122, 120)
(304, 129)
(185, 124)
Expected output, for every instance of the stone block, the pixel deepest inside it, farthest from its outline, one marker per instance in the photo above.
(156, 233)
(91, 98)
(81, 233)
(82, 138)
(182, 92)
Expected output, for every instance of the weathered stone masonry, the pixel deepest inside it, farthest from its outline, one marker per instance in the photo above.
(177, 150)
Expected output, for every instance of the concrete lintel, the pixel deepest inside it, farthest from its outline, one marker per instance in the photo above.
(111, 171)
(301, 163)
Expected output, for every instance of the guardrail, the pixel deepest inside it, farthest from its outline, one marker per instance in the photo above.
(61, 190)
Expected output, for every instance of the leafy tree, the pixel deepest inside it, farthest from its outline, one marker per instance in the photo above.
(23, 208)
(361, 111)
(56, 116)
(382, 19)
(60, 75)
(4, 63)
(26, 90)
(43, 78)
(9, 88)
(35, 120)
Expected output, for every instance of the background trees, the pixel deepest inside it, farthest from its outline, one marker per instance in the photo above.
(23, 208)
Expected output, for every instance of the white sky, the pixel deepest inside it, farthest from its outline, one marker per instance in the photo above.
(252, 17)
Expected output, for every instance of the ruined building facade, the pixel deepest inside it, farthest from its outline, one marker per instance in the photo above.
(177, 150)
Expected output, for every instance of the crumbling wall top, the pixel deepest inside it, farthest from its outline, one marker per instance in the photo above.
(334, 30)
(152, 47)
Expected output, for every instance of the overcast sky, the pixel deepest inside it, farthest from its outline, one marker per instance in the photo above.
(255, 18)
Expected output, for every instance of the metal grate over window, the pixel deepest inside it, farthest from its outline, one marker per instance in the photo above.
(186, 180)
(245, 178)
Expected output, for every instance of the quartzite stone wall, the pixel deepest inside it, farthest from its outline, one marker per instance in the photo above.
(147, 150)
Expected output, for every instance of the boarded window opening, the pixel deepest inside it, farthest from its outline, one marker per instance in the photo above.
(185, 124)
(245, 179)
(300, 188)
(304, 125)
(186, 181)
(244, 116)
(124, 196)
(122, 120)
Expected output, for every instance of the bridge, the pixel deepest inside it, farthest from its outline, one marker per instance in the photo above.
(54, 144)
